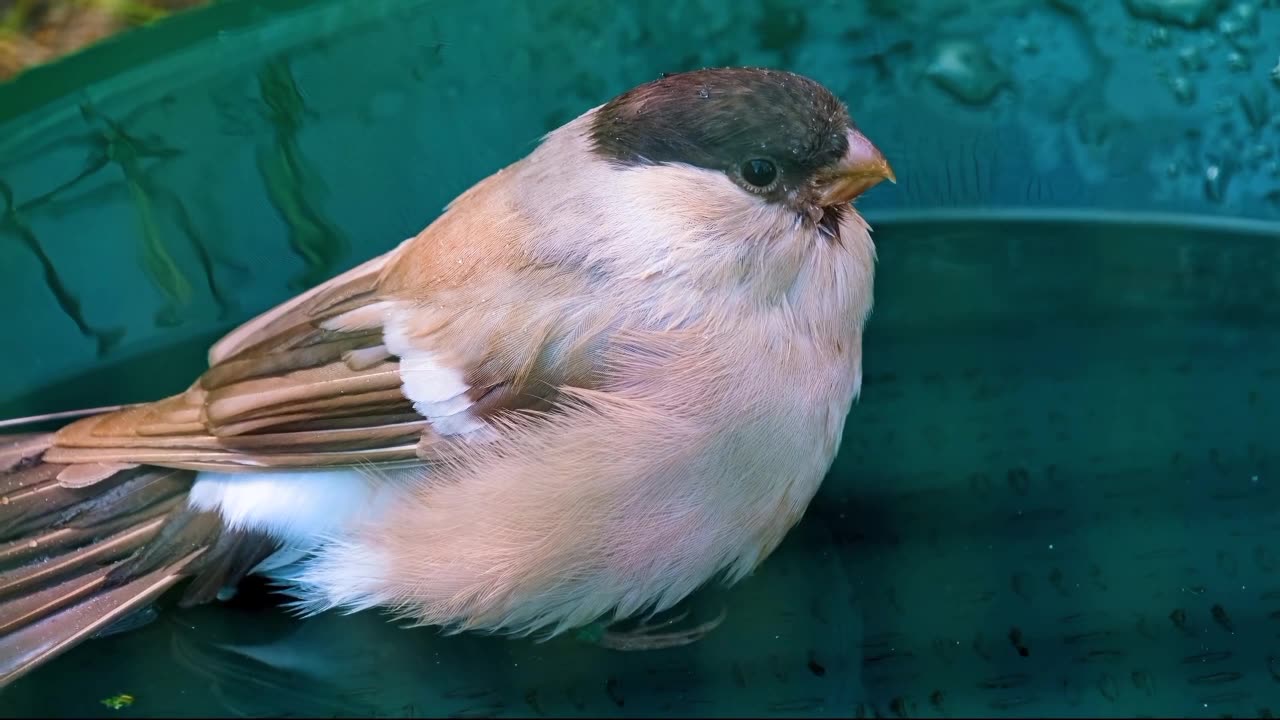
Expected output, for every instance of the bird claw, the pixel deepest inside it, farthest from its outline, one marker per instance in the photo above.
(647, 636)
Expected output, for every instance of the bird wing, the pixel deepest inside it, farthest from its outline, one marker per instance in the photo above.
(281, 391)
(378, 365)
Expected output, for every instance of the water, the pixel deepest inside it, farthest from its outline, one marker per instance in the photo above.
(1057, 495)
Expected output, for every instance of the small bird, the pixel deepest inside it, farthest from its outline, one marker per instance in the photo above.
(604, 376)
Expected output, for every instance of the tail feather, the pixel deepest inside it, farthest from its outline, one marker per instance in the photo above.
(27, 609)
(36, 643)
(32, 576)
(76, 560)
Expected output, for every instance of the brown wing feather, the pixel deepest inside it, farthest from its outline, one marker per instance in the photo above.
(325, 300)
(282, 392)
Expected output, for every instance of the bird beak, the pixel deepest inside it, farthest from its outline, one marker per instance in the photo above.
(861, 168)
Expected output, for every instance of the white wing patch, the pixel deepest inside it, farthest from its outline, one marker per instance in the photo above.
(438, 391)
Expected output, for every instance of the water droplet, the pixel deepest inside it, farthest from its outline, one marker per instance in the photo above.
(965, 70)
(1242, 21)
(1192, 59)
(1183, 90)
(1215, 183)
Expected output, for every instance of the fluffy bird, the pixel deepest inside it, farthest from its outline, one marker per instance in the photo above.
(607, 374)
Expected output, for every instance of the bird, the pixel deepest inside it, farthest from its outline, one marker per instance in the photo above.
(604, 376)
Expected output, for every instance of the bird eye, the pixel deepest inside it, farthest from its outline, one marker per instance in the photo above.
(759, 172)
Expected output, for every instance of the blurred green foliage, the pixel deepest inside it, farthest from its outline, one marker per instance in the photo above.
(33, 32)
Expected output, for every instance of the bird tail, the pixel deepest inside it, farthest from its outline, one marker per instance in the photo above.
(85, 547)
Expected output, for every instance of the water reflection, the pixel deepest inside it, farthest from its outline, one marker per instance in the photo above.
(295, 188)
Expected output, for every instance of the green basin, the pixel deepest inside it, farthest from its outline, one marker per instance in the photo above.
(1059, 494)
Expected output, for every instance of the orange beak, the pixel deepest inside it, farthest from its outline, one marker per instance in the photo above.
(862, 168)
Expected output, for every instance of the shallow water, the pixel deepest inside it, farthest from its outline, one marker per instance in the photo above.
(1057, 495)
(1041, 507)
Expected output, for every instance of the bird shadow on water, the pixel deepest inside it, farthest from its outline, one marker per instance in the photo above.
(789, 643)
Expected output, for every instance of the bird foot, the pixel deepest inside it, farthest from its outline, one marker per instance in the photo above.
(647, 634)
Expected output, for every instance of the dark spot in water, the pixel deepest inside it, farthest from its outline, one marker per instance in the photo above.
(739, 679)
(1220, 616)
(1097, 656)
(935, 698)
(1206, 657)
(1015, 638)
(1095, 574)
(1056, 580)
(1019, 480)
(885, 656)
(1215, 459)
(1142, 681)
(892, 592)
(1225, 698)
(1108, 686)
(611, 689)
(816, 668)
(1072, 691)
(1179, 619)
(1273, 667)
(531, 699)
(1005, 682)
(898, 706)
(1218, 678)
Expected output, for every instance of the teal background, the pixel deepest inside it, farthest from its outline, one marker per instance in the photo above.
(1057, 495)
